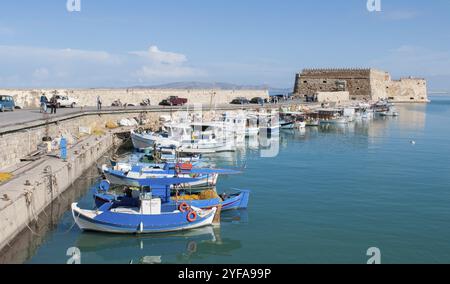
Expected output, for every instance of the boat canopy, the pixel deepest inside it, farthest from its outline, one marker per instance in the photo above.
(155, 182)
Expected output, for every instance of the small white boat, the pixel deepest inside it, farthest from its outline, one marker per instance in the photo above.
(251, 127)
(287, 124)
(198, 137)
(335, 120)
(145, 140)
(269, 123)
(312, 122)
(390, 112)
(300, 124)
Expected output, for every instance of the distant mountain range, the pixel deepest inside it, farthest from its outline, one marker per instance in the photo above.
(215, 85)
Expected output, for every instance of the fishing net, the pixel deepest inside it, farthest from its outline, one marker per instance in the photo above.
(111, 125)
(5, 177)
(206, 194)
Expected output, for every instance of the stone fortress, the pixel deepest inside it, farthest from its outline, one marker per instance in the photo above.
(359, 84)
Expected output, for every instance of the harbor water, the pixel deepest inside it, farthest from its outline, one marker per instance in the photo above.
(325, 195)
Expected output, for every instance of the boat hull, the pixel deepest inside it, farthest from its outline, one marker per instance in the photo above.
(235, 201)
(120, 223)
(146, 141)
(121, 179)
(287, 125)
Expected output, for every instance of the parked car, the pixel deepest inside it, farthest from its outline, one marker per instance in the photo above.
(65, 101)
(240, 101)
(257, 100)
(7, 103)
(173, 101)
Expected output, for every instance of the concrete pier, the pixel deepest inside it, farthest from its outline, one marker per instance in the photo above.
(25, 196)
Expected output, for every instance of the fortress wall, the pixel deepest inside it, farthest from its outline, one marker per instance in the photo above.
(408, 90)
(357, 81)
(29, 98)
(337, 97)
(379, 82)
(362, 84)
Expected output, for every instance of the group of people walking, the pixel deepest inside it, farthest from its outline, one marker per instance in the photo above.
(46, 104)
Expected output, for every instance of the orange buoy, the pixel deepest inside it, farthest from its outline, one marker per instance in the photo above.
(184, 207)
(192, 216)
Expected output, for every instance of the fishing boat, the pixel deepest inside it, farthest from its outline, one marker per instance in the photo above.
(170, 154)
(201, 136)
(143, 140)
(159, 157)
(390, 112)
(144, 215)
(287, 124)
(203, 199)
(251, 126)
(269, 124)
(332, 116)
(132, 174)
(235, 126)
(335, 120)
(312, 122)
(291, 120)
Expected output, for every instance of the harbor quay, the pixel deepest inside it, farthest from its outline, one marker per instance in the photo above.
(32, 176)
(46, 148)
(35, 172)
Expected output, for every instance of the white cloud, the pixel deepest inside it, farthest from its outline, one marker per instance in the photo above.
(160, 64)
(159, 56)
(35, 53)
(40, 66)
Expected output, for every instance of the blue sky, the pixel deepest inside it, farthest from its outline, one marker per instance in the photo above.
(126, 43)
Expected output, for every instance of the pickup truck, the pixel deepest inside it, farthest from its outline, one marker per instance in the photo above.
(173, 101)
(64, 101)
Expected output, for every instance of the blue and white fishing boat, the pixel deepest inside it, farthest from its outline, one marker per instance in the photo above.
(144, 215)
(159, 158)
(236, 200)
(132, 174)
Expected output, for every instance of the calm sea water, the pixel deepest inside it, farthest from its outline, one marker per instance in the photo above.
(326, 197)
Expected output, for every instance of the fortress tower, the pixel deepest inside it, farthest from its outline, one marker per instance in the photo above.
(369, 84)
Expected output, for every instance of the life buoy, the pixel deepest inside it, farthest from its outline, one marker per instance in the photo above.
(186, 166)
(192, 216)
(184, 207)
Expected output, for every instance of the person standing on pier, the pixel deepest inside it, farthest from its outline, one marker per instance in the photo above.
(53, 103)
(99, 103)
(44, 102)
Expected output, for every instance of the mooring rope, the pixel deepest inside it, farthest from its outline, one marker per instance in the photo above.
(33, 232)
(71, 227)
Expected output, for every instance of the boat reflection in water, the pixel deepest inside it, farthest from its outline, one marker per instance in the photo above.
(180, 247)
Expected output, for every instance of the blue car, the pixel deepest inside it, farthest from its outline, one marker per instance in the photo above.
(6, 103)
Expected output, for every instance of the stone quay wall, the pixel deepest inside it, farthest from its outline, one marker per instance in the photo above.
(29, 98)
(27, 195)
(18, 144)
